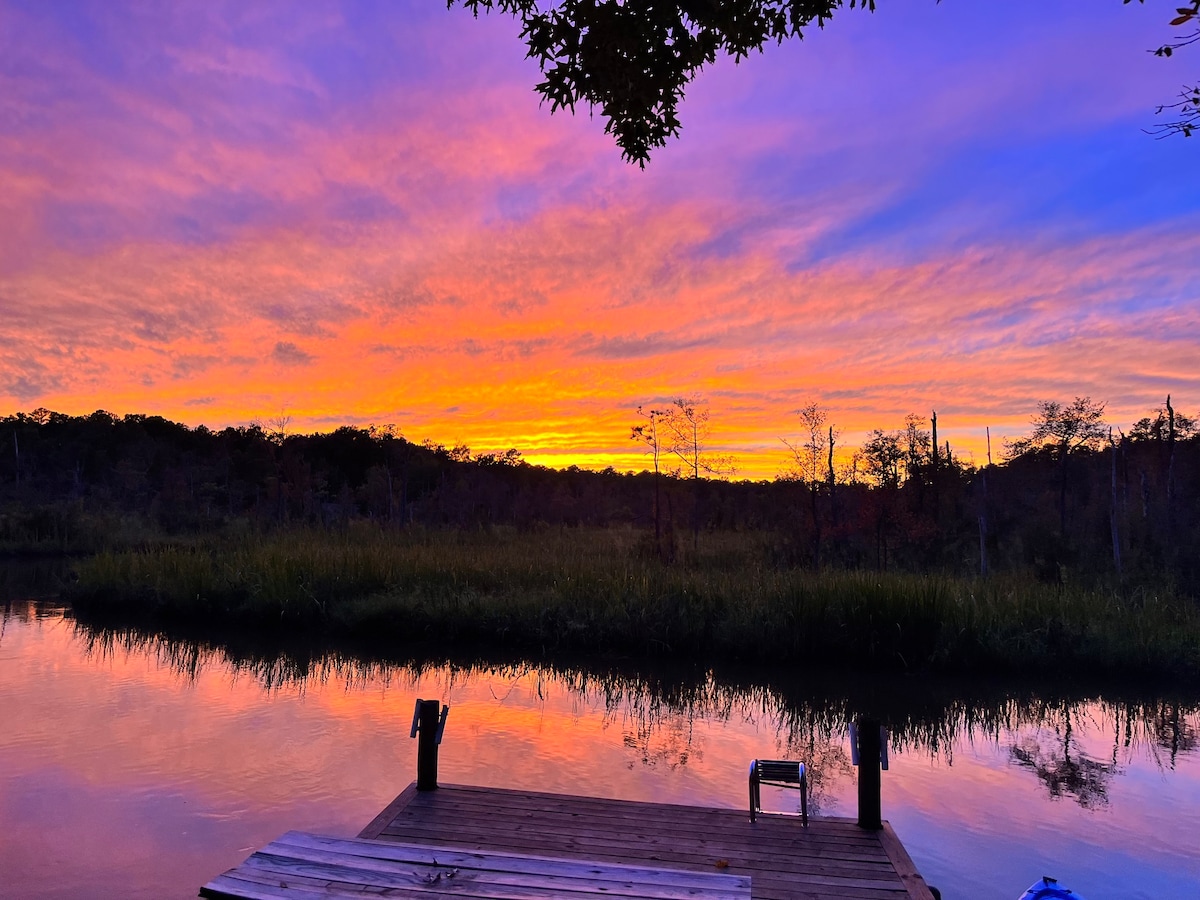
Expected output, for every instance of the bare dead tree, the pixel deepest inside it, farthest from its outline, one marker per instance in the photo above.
(686, 423)
(648, 434)
(809, 457)
(1170, 472)
(1116, 535)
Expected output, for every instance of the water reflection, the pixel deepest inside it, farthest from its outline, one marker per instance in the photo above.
(657, 708)
(1173, 732)
(1080, 778)
(131, 746)
(33, 578)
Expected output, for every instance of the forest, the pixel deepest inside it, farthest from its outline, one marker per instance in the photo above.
(1072, 502)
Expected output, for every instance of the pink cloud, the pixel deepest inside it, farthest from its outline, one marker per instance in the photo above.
(986, 332)
(442, 243)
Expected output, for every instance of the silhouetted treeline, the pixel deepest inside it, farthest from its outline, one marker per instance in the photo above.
(1128, 508)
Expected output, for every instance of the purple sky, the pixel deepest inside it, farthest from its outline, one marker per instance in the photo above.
(357, 212)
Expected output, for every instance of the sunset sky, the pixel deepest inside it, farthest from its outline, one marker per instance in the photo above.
(353, 213)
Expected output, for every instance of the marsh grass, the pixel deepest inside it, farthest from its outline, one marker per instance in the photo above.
(597, 591)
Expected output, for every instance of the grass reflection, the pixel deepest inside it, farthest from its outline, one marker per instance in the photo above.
(1074, 738)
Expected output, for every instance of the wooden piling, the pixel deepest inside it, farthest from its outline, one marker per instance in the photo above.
(427, 744)
(870, 755)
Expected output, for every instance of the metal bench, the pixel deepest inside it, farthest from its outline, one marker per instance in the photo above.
(779, 773)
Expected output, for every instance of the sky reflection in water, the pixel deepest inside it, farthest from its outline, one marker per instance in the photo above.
(141, 770)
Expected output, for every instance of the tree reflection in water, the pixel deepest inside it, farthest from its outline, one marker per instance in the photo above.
(1063, 768)
(803, 715)
(1174, 732)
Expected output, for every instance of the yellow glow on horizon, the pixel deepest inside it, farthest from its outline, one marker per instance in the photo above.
(546, 334)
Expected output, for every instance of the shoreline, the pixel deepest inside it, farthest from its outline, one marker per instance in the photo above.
(594, 592)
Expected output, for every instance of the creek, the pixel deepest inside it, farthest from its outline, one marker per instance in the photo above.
(134, 764)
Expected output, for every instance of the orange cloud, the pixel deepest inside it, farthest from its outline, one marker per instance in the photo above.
(545, 334)
(442, 255)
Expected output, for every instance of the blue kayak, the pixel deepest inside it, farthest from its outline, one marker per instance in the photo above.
(1049, 889)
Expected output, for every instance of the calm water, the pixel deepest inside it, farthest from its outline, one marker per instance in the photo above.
(137, 767)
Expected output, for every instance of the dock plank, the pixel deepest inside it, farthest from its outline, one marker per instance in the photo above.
(300, 865)
(832, 858)
(905, 868)
(497, 867)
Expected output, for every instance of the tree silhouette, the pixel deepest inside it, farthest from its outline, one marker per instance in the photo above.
(82, 483)
(1158, 427)
(648, 434)
(685, 423)
(1186, 108)
(810, 458)
(884, 456)
(1064, 430)
(634, 58)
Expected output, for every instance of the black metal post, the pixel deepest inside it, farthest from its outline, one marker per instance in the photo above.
(427, 744)
(870, 749)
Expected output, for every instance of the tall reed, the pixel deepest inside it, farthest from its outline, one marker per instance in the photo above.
(597, 591)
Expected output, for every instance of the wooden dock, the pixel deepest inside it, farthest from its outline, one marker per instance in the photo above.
(831, 859)
(456, 841)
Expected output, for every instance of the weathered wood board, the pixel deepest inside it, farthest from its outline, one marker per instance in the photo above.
(302, 865)
(831, 859)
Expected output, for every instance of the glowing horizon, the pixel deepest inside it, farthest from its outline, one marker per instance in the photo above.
(358, 214)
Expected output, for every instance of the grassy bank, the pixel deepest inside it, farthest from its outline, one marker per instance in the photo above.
(597, 591)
